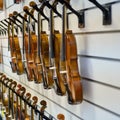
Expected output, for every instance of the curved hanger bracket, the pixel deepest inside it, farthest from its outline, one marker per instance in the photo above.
(40, 10)
(106, 12)
(26, 10)
(80, 15)
(46, 3)
(81, 19)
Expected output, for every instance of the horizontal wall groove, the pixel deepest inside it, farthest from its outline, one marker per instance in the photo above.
(6, 56)
(83, 33)
(91, 80)
(7, 65)
(118, 115)
(99, 57)
(98, 82)
(97, 32)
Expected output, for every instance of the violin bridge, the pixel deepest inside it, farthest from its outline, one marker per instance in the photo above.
(63, 72)
(52, 68)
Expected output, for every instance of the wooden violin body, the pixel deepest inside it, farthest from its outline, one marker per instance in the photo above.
(45, 55)
(32, 71)
(19, 63)
(30, 39)
(60, 83)
(73, 77)
(16, 63)
(29, 71)
(13, 55)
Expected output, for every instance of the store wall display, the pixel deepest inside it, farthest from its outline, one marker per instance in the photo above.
(97, 56)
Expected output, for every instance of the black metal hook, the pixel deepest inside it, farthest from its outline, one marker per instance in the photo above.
(4, 24)
(14, 23)
(3, 27)
(27, 12)
(7, 21)
(22, 17)
(80, 14)
(15, 17)
(40, 10)
(3, 31)
(106, 12)
(51, 7)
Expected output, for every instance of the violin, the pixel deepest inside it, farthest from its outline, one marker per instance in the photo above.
(20, 67)
(19, 105)
(38, 56)
(29, 72)
(17, 101)
(27, 98)
(12, 47)
(6, 95)
(55, 38)
(2, 78)
(43, 49)
(43, 104)
(30, 48)
(46, 61)
(12, 86)
(60, 117)
(34, 103)
(49, 59)
(16, 64)
(1, 74)
(69, 66)
(22, 92)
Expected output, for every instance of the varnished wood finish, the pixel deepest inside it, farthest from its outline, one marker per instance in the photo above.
(12, 46)
(34, 102)
(27, 97)
(31, 48)
(43, 104)
(69, 66)
(60, 117)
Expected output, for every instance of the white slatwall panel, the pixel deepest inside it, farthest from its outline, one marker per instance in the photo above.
(99, 65)
(97, 69)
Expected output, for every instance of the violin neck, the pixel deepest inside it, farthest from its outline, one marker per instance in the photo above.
(20, 108)
(12, 100)
(52, 54)
(64, 28)
(25, 104)
(29, 36)
(39, 34)
(9, 100)
(12, 29)
(8, 30)
(16, 106)
(23, 35)
(32, 114)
